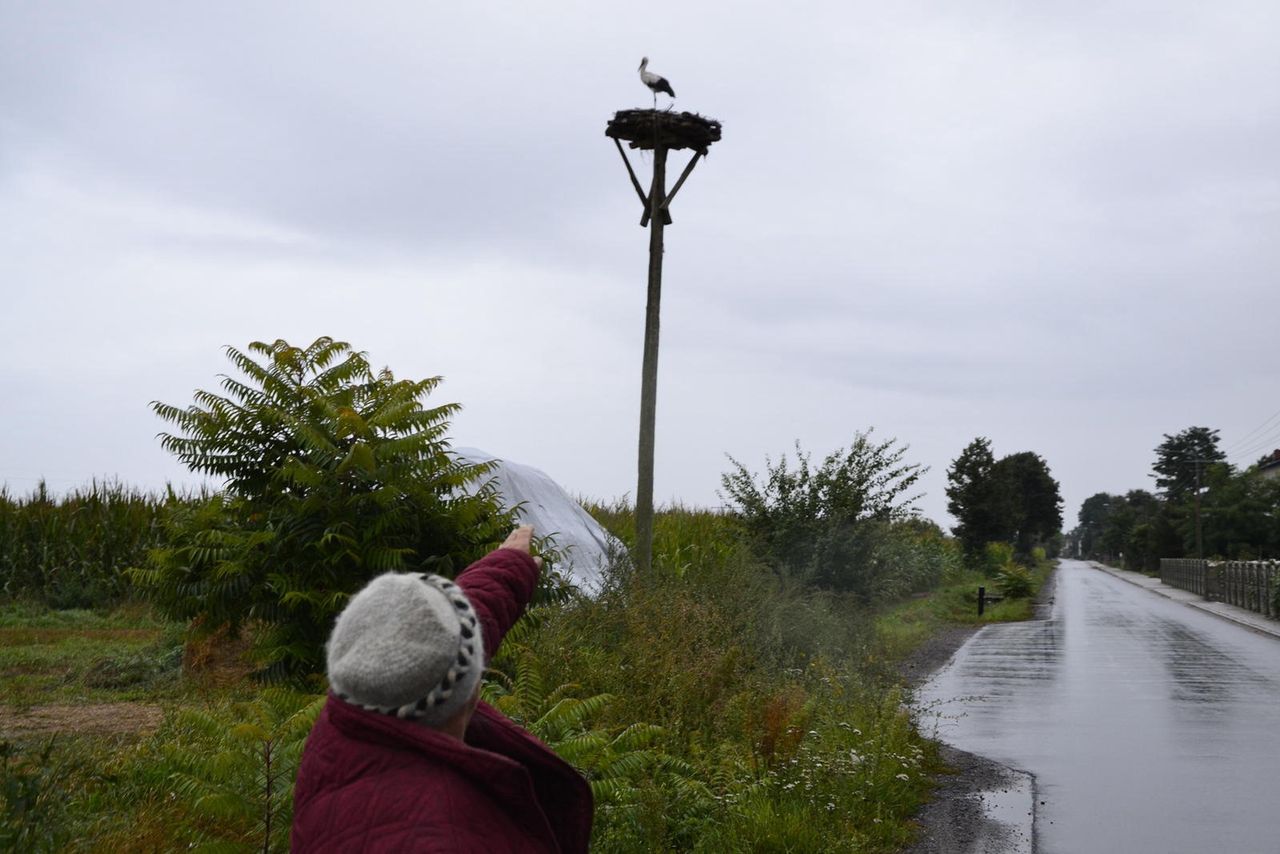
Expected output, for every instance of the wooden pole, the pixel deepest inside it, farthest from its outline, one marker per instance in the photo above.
(649, 370)
(1199, 535)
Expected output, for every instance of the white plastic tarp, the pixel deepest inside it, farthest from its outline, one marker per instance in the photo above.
(541, 502)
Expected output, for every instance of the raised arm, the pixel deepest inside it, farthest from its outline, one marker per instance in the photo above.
(500, 585)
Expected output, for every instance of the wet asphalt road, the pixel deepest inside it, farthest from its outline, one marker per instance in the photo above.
(1149, 726)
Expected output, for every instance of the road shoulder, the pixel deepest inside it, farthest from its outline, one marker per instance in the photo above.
(981, 806)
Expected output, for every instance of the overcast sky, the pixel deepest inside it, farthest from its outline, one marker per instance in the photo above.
(1052, 224)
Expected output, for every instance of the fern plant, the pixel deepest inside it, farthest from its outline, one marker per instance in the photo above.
(236, 769)
(621, 766)
(333, 473)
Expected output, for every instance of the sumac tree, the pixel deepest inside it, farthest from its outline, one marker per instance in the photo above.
(333, 473)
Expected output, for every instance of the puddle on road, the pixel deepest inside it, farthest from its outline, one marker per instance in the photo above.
(1009, 811)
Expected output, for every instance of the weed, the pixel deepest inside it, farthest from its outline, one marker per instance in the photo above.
(31, 815)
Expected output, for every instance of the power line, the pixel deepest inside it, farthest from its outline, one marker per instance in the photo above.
(1246, 438)
(1258, 442)
(1260, 446)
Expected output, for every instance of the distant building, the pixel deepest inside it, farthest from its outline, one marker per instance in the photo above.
(1271, 468)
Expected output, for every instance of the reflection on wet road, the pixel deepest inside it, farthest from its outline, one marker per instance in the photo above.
(1150, 726)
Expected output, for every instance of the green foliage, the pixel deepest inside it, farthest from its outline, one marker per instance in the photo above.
(334, 473)
(714, 706)
(1014, 581)
(685, 539)
(749, 678)
(234, 768)
(1013, 499)
(622, 764)
(1033, 506)
(31, 818)
(1239, 511)
(1181, 460)
(70, 551)
(835, 525)
(972, 496)
(996, 556)
(904, 626)
(1240, 515)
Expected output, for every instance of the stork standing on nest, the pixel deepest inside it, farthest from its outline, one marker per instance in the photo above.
(655, 82)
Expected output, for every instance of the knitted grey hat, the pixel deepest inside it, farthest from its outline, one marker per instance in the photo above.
(407, 645)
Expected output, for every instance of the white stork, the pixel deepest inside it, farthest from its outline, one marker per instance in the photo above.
(655, 82)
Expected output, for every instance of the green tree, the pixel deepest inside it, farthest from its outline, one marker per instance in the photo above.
(972, 497)
(1240, 514)
(1028, 502)
(1013, 500)
(1094, 515)
(333, 473)
(1181, 460)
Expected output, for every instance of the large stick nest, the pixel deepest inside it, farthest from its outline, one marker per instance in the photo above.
(650, 128)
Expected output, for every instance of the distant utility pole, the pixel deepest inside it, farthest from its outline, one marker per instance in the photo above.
(1199, 531)
(659, 132)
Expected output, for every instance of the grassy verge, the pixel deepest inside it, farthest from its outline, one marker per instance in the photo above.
(78, 656)
(903, 627)
(713, 705)
(108, 745)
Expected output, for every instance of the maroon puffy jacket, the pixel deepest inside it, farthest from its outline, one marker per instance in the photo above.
(371, 782)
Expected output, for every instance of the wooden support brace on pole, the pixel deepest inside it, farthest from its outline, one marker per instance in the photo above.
(693, 161)
(635, 182)
(644, 200)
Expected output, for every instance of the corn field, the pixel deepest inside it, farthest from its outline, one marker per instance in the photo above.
(69, 551)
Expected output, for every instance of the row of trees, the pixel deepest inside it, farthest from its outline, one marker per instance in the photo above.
(1202, 507)
(1012, 500)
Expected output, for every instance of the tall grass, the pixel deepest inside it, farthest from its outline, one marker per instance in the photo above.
(69, 551)
(717, 705)
(766, 691)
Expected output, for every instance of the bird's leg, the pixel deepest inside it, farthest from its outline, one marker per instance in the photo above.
(655, 101)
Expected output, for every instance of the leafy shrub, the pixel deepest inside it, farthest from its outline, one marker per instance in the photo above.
(996, 556)
(1014, 581)
(835, 525)
(334, 473)
(749, 679)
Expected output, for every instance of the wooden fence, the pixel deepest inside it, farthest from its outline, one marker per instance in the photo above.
(1250, 584)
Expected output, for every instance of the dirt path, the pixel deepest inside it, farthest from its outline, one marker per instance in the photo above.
(95, 719)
